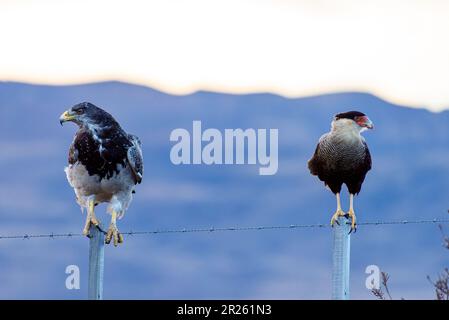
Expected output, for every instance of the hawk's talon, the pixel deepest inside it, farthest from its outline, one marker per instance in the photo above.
(94, 221)
(113, 233)
(91, 219)
(89, 222)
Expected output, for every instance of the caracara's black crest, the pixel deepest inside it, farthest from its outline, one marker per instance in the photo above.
(349, 115)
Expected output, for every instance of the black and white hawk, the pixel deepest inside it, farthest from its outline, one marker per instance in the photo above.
(105, 165)
(342, 157)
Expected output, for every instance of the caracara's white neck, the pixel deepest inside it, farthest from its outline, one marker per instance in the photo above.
(347, 130)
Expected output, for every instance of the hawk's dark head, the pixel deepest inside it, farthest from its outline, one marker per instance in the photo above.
(87, 114)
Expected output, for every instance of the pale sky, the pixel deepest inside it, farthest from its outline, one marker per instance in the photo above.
(396, 49)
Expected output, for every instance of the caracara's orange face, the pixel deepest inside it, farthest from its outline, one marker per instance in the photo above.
(364, 122)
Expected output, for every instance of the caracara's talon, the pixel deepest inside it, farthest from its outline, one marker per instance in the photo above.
(351, 215)
(337, 214)
(113, 233)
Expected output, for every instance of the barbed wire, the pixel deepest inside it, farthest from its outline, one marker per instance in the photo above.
(219, 229)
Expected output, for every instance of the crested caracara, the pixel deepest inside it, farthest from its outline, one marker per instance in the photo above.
(342, 156)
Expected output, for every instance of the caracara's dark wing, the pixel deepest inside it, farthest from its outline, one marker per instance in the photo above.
(318, 163)
(323, 165)
(135, 158)
(314, 163)
(367, 163)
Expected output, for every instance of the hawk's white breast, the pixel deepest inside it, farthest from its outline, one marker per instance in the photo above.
(117, 190)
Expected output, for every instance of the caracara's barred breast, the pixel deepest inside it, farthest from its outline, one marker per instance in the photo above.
(339, 160)
(338, 154)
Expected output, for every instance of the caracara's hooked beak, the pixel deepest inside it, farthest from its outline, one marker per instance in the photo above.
(67, 116)
(365, 122)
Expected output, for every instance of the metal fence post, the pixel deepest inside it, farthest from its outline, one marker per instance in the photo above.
(341, 259)
(96, 263)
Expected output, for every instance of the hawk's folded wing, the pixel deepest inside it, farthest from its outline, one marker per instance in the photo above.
(135, 158)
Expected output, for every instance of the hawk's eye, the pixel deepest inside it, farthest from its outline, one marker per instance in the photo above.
(79, 111)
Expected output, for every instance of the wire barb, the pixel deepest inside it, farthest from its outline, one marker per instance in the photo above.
(53, 235)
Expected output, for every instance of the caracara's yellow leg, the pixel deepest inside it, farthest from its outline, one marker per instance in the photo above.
(91, 218)
(113, 231)
(351, 213)
(337, 213)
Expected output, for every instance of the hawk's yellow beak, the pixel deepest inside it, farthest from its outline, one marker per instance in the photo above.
(66, 116)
